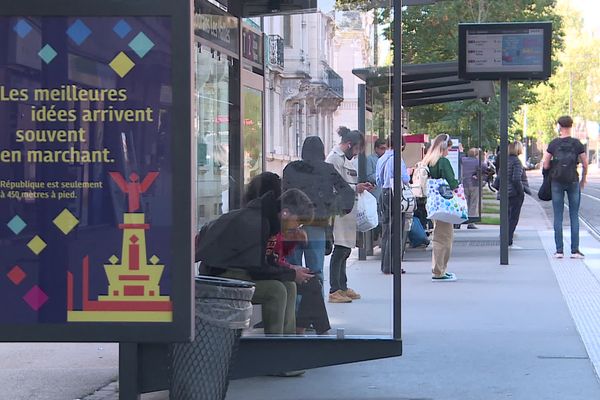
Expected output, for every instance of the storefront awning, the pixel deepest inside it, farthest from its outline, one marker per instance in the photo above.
(424, 84)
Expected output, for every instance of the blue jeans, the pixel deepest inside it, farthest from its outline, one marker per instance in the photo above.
(417, 235)
(558, 204)
(313, 251)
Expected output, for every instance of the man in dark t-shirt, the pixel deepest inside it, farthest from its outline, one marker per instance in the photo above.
(561, 158)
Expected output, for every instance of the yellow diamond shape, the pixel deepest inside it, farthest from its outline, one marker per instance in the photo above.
(122, 64)
(154, 260)
(113, 260)
(36, 245)
(65, 221)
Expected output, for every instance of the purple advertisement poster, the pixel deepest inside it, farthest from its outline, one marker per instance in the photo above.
(85, 170)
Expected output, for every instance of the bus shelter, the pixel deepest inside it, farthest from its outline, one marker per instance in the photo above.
(169, 111)
(422, 84)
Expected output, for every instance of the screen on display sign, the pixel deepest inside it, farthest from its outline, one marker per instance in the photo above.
(86, 177)
(515, 51)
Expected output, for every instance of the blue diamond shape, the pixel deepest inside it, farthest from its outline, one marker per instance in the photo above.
(79, 32)
(122, 29)
(16, 224)
(47, 54)
(22, 28)
(141, 44)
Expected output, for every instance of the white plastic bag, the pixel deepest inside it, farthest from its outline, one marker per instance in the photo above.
(366, 212)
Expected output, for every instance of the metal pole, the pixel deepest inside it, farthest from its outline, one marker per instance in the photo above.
(504, 171)
(525, 133)
(481, 160)
(129, 386)
(362, 166)
(397, 241)
(570, 93)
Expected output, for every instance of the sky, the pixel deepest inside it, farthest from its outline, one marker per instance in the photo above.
(590, 10)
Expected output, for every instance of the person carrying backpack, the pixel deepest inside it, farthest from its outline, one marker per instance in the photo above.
(561, 158)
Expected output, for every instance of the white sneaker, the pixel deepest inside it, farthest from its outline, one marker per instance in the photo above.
(515, 247)
(447, 277)
(559, 255)
(577, 254)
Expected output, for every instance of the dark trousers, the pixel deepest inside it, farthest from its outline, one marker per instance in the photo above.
(337, 268)
(386, 237)
(311, 309)
(514, 212)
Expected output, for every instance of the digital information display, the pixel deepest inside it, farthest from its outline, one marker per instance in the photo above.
(496, 50)
(87, 173)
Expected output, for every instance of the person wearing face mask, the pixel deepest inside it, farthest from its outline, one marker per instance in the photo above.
(443, 233)
(344, 227)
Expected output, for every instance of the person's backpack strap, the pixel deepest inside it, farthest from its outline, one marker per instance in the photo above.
(420, 176)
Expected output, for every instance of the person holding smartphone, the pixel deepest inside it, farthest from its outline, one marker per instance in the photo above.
(342, 158)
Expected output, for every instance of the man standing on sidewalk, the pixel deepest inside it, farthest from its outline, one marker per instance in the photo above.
(561, 158)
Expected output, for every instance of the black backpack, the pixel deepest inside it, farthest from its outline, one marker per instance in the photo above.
(564, 162)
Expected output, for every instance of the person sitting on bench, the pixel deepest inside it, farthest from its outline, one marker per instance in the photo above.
(235, 246)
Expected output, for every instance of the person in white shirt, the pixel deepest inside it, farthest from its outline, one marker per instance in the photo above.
(344, 227)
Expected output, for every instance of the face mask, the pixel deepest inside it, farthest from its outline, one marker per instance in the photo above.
(349, 153)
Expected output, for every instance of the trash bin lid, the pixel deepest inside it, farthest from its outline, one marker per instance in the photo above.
(217, 281)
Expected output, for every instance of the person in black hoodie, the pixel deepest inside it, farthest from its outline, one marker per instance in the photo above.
(236, 246)
(330, 194)
(517, 187)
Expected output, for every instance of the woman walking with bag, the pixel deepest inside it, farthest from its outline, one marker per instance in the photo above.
(517, 187)
(443, 232)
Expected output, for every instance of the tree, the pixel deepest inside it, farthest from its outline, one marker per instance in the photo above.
(430, 34)
(575, 87)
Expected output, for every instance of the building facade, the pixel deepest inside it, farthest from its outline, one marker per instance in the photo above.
(303, 93)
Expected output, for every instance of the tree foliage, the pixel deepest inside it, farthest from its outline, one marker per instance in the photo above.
(430, 34)
(574, 88)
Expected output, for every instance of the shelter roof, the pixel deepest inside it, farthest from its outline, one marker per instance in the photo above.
(424, 84)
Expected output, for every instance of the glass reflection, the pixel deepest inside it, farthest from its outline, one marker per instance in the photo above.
(296, 234)
(212, 134)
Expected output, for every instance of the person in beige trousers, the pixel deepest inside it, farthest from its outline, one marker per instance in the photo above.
(443, 232)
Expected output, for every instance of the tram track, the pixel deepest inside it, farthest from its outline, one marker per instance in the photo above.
(589, 197)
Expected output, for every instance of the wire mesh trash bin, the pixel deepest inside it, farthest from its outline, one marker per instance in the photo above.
(200, 369)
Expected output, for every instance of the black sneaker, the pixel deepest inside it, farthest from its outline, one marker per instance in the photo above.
(577, 254)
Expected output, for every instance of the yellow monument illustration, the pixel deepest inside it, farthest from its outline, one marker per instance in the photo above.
(133, 293)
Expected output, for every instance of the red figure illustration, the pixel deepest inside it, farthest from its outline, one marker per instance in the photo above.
(134, 188)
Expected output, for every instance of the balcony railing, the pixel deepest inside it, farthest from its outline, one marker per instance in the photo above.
(275, 53)
(334, 81)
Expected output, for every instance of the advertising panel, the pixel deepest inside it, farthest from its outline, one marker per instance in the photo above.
(87, 170)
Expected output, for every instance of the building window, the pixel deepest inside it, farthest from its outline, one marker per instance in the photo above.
(287, 30)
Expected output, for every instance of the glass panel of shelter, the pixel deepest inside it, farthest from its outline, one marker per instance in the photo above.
(300, 177)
